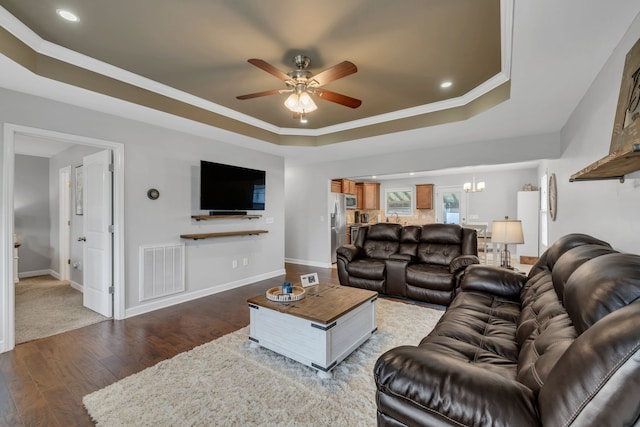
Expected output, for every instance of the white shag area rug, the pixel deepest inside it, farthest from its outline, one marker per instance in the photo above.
(227, 382)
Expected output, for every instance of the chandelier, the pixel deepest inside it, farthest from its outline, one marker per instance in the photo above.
(471, 187)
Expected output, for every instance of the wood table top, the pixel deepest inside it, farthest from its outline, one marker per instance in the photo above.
(322, 303)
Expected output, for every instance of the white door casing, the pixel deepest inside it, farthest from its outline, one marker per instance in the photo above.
(98, 238)
(7, 161)
(64, 201)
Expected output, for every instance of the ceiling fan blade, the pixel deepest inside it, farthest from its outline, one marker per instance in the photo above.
(336, 72)
(269, 69)
(265, 93)
(345, 100)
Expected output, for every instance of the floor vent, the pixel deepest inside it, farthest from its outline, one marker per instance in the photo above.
(161, 270)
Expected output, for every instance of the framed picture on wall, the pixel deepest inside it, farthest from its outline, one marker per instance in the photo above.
(78, 192)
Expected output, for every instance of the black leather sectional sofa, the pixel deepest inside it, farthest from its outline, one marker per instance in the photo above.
(417, 262)
(559, 347)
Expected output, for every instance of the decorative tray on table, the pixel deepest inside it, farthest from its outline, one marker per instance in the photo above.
(275, 294)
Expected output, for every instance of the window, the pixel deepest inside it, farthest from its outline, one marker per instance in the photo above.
(399, 201)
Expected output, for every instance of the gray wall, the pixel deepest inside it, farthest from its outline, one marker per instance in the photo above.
(497, 200)
(308, 238)
(605, 209)
(166, 160)
(31, 212)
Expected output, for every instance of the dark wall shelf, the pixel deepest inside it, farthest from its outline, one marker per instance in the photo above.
(206, 217)
(222, 234)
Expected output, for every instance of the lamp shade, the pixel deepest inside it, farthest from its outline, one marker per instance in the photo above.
(507, 231)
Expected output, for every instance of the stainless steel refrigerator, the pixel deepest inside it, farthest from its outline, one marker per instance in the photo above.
(338, 213)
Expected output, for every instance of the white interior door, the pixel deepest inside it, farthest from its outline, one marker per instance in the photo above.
(98, 238)
(451, 205)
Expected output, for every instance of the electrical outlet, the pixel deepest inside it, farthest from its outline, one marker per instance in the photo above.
(245, 261)
(234, 263)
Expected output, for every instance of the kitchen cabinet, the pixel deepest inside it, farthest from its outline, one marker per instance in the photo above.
(368, 196)
(345, 186)
(348, 186)
(424, 196)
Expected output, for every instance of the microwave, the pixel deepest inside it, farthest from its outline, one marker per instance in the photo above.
(351, 201)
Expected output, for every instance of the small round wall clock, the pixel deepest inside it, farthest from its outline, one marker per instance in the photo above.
(553, 197)
(153, 194)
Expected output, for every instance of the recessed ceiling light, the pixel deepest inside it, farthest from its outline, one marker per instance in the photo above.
(69, 16)
(373, 177)
(411, 173)
(446, 84)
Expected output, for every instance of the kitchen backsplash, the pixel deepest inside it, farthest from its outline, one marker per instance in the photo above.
(420, 217)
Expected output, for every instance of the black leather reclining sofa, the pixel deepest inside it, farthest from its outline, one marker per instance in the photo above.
(559, 347)
(417, 262)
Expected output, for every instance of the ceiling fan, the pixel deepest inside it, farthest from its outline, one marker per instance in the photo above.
(302, 84)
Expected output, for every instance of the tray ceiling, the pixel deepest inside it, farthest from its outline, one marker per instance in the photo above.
(403, 50)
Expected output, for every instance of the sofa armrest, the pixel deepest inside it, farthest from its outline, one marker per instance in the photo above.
(349, 252)
(461, 262)
(449, 391)
(494, 280)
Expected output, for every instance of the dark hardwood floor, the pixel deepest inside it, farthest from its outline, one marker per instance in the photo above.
(42, 382)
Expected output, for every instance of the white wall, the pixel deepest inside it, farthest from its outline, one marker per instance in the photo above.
(605, 209)
(307, 186)
(31, 212)
(168, 160)
(497, 200)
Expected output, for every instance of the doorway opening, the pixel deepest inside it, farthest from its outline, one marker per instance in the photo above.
(7, 289)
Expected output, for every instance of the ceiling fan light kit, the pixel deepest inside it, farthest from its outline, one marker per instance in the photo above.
(301, 83)
(300, 102)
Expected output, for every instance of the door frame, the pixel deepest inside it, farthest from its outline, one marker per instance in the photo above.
(7, 290)
(64, 208)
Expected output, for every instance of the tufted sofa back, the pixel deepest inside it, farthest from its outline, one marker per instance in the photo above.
(545, 329)
(382, 240)
(440, 243)
(579, 350)
(600, 369)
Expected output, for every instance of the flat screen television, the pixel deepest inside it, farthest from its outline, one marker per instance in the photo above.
(231, 188)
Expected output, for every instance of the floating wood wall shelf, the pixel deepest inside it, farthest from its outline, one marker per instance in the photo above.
(200, 236)
(614, 166)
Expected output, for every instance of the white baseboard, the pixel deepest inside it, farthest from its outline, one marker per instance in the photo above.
(34, 273)
(75, 285)
(180, 298)
(307, 262)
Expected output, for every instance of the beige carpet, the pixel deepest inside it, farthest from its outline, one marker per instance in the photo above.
(46, 306)
(227, 382)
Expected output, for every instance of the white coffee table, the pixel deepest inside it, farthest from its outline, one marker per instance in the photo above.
(320, 330)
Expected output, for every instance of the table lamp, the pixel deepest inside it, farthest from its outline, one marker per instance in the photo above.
(507, 231)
